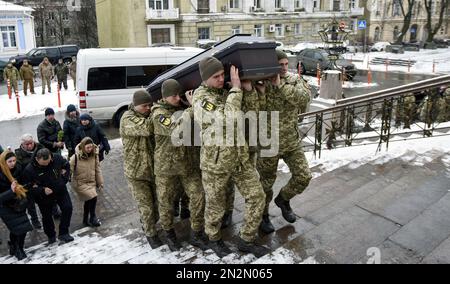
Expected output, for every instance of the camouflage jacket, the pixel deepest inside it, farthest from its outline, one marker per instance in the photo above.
(290, 99)
(170, 159)
(46, 70)
(136, 131)
(444, 107)
(11, 73)
(27, 72)
(61, 71)
(212, 105)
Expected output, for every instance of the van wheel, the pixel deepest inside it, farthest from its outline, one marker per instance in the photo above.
(118, 117)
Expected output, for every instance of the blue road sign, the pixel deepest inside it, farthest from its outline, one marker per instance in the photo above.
(362, 24)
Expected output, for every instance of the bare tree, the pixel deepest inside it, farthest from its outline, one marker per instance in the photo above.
(407, 12)
(433, 30)
(85, 24)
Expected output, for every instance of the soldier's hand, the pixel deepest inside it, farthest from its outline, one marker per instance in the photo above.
(190, 96)
(276, 80)
(247, 85)
(260, 87)
(235, 80)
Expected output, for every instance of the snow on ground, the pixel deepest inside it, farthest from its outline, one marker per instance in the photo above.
(313, 81)
(417, 152)
(424, 58)
(36, 104)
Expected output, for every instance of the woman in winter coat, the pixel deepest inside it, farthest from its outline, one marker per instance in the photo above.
(87, 178)
(89, 128)
(13, 204)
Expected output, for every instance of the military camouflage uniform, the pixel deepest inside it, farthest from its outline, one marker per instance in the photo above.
(12, 74)
(444, 107)
(429, 108)
(222, 163)
(406, 110)
(172, 167)
(136, 131)
(290, 99)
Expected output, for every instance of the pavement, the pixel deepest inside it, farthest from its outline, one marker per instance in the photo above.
(394, 212)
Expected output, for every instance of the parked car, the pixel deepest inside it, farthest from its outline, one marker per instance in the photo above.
(54, 53)
(440, 43)
(206, 43)
(380, 46)
(309, 58)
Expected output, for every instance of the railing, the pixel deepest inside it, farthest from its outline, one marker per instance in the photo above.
(169, 14)
(407, 112)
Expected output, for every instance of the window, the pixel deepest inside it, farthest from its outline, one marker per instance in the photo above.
(234, 4)
(278, 4)
(9, 36)
(107, 78)
(257, 4)
(161, 35)
(158, 4)
(336, 5)
(279, 30)
(318, 56)
(52, 52)
(52, 32)
(235, 30)
(396, 33)
(259, 30)
(51, 15)
(396, 8)
(203, 6)
(203, 33)
(66, 32)
(297, 29)
(65, 16)
(138, 76)
(352, 4)
(298, 4)
(316, 5)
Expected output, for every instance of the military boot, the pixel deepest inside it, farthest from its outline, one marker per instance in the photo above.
(266, 226)
(171, 240)
(220, 248)
(199, 239)
(286, 209)
(251, 247)
(154, 242)
(227, 220)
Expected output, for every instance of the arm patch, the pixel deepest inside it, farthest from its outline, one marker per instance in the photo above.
(165, 121)
(207, 105)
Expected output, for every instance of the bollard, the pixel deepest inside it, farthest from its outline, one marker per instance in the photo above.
(18, 102)
(9, 89)
(318, 73)
(369, 77)
(59, 97)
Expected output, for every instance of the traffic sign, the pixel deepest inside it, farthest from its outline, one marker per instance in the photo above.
(362, 24)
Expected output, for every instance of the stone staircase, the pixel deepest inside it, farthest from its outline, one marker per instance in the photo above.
(400, 209)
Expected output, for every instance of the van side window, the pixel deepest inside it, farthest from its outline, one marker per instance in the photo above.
(106, 78)
(141, 76)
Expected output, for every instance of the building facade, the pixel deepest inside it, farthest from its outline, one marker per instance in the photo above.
(17, 30)
(140, 23)
(59, 22)
(385, 20)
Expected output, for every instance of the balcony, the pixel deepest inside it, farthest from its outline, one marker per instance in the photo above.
(163, 15)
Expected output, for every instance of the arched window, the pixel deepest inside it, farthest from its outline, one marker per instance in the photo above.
(377, 35)
(413, 32)
(396, 33)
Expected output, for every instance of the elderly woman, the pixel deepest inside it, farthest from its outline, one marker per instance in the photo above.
(13, 204)
(87, 178)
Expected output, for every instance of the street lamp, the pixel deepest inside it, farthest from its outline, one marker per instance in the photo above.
(333, 36)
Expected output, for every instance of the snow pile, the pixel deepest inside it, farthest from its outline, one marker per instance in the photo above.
(424, 61)
(36, 104)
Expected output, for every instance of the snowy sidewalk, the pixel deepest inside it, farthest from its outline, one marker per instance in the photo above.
(36, 104)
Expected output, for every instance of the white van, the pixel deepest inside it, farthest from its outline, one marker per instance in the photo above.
(108, 78)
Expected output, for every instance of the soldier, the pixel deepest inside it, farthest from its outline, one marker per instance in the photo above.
(27, 74)
(61, 72)
(409, 108)
(136, 130)
(444, 106)
(46, 70)
(73, 71)
(12, 74)
(288, 95)
(221, 163)
(172, 167)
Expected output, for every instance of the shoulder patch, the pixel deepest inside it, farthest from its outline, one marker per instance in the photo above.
(164, 120)
(209, 106)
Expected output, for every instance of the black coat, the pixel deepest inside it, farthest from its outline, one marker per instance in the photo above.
(12, 210)
(70, 130)
(48, 134)
(37, 178)
(25, 157)
(94, 131)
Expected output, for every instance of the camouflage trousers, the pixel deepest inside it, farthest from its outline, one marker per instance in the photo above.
(144, 193)
(167, 188)
(299, 168)
(216, 189)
